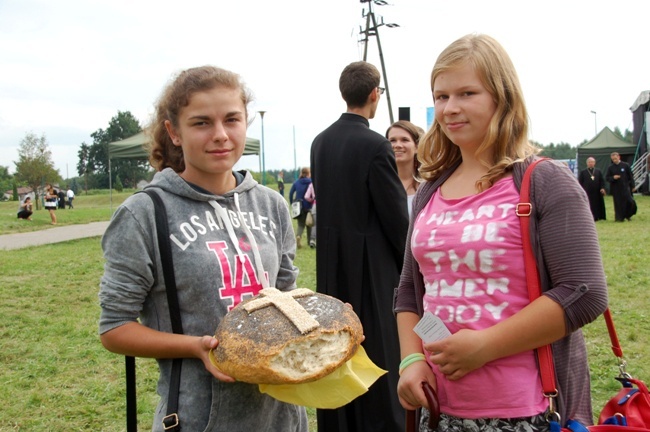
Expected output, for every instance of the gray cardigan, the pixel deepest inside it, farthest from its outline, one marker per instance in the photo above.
(565, 244)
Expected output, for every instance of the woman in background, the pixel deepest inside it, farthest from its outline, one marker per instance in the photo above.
(25, 209)
(404, 136)
(297, 193)
(310, 196)
(50, 202)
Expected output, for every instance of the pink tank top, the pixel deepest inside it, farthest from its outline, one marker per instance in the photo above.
(470, 255)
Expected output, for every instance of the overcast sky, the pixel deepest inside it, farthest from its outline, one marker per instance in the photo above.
(68, 66)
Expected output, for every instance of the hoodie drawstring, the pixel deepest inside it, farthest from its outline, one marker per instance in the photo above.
(249, 235)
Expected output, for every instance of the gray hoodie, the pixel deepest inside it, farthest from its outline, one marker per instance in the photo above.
(215, 244)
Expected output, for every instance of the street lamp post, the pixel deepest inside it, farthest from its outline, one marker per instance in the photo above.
(262, 149)
(595, 123)
(295, 164)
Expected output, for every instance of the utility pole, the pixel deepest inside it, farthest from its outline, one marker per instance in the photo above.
(372, 29)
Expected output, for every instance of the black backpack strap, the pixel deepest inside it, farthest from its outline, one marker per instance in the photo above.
(162, 230)
(171, 422)
(131, 399)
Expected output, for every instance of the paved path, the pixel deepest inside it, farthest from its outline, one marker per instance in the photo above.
(52, 235)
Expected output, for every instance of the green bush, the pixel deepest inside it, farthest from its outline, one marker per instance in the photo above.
(118, 184)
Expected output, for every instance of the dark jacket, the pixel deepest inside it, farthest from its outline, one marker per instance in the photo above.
(297, 192)
(362, 224)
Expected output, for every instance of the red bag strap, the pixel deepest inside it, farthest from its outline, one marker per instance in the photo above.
(616, 345)
(544, 354)
(524, 210)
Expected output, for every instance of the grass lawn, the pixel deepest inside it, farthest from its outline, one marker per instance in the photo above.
(57, 376)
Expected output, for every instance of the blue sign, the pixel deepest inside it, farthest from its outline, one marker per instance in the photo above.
(430, 116)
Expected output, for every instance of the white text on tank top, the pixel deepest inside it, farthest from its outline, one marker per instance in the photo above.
(470, 254)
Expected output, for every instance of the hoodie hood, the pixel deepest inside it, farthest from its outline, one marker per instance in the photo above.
(304, 180)
(169, 181)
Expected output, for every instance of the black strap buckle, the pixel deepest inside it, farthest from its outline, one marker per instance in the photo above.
(170, 421)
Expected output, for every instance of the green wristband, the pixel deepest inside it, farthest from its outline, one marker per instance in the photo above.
(409, 360)
(409, 357)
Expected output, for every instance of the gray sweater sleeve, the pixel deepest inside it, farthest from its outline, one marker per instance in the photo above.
(573, 272)
(128, 269)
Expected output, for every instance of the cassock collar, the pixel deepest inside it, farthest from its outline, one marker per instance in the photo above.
(355, 118)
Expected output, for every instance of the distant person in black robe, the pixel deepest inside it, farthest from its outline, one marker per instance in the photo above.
(593, 182)
(61, 199)
(621, 185)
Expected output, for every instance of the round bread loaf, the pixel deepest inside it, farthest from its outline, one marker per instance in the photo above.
(264, 341)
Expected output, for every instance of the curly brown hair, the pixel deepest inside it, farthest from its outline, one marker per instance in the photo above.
(176, 96)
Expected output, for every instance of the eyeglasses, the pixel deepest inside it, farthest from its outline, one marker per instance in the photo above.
(381, 90)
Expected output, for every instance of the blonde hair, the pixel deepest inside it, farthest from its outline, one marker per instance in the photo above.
(506, 140)
(176, 96)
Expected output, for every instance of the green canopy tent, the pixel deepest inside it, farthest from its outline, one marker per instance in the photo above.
(601, 146)
(134, 148)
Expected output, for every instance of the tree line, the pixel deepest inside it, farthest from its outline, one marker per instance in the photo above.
(564, 150)
(93, 166)
(35, 167)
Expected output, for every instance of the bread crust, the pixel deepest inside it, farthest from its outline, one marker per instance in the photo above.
(265, 347)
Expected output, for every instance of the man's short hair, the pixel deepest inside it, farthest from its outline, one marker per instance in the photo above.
(357, 81)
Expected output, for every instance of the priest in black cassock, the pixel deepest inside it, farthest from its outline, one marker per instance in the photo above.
(621, 183)
(593, 182)
(362, 226)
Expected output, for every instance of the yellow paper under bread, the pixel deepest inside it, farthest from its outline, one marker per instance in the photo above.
(349, 381)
